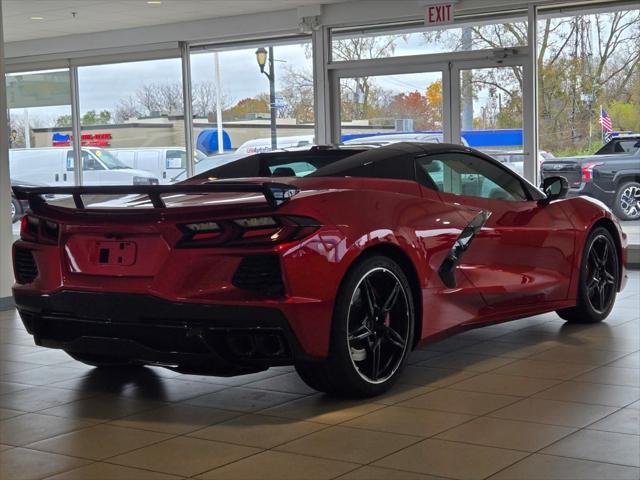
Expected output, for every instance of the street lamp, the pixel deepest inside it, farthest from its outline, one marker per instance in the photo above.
(261, 57)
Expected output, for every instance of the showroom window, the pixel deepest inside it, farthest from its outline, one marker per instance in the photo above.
(36, 101)
(132, 122)
(236, 88)
(364, 44)
(589, 94)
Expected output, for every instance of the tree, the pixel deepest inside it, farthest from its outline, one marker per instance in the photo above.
(425, 109)
(246, 106)
(93, 118)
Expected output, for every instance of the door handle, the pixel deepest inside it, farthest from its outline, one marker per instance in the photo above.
(57, 177)
(64, 177)
(164, 174)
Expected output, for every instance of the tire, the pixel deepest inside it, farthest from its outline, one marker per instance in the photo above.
(16, 210)
(373, 319)
(599, 279)
(102, 361)
(626, 204)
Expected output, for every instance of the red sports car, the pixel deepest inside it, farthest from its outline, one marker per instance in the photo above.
(338, 261)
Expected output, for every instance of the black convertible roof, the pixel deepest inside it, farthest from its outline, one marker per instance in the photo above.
(400, 155)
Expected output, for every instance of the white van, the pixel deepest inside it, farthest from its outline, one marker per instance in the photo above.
(54, 167)
(263, 145)
(164, 163)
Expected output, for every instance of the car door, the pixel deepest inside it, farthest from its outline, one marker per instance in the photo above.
(523, 253)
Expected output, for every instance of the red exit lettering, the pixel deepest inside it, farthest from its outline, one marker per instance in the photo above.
(439, 14)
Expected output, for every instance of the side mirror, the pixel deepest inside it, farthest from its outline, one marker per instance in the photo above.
(555, 188)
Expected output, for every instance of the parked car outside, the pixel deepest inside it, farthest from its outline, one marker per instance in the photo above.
(611, 175)
(163, 163)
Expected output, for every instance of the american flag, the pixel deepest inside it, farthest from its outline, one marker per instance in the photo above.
(605, 121)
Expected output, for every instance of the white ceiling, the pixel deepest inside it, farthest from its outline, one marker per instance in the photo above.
(104, 15)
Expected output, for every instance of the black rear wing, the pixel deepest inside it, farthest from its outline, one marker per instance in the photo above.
(274, 193)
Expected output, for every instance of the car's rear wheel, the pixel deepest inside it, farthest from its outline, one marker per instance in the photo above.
(371, 334)
(104, 361)
(626, 205)
(599, 274)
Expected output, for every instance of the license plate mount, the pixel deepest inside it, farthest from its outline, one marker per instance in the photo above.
(120, 253)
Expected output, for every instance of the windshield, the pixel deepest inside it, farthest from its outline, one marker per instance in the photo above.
(109, 161)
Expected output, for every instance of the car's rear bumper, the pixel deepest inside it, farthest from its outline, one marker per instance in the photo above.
(205, 338)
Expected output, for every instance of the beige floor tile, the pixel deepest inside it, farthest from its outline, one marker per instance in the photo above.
(516, 435)
(184, 456)
(349, 444)
(279, 466)
(259, 431)
(99, 442)
(618, 448)
(629, 377)
(45, 375)
(472, 403)
(433, 377)
(553, 412)
(8, 387)
(107, 471)
(378, 473)
(508, 350)
(322, 409)
(626, 420)
(466, 361)
(408, 421)
(39, 398)
(7, 367)
(452, 460)
(32, 427)
(577, 354)
(175, 418)
(102, 408)
(288, 383)
(547, 467)
(505, 384)
(628, 361)
(24, 464)
(8, 413)
(543, 369)
(242, 399)
(401, 392)
(594, 393)
(172, 390)
(4, 447)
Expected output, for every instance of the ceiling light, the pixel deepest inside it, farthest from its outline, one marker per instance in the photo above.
(154, 2)
(37, 18)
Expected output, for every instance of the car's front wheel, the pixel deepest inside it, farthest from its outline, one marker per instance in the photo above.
(371, 335)
(626, 205)
(599, 275)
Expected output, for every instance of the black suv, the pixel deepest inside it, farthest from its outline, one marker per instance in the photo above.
(612, 175)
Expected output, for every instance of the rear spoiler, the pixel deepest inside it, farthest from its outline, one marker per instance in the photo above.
(274, 193)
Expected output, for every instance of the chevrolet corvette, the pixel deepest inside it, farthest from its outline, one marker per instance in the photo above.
(339, 261)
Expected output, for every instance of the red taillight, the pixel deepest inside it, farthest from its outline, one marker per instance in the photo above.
(39, 230)
(248, 231)
(587, 171)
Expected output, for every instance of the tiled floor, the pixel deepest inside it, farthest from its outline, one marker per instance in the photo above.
(531, 399)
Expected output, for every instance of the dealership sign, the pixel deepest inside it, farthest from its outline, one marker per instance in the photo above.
(438, 14)
(86, 140)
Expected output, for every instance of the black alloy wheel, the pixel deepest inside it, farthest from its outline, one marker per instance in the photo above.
(379, 328)
(601, 273)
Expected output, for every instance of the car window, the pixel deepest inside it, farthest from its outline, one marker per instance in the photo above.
(471, 176)
(176, 159)
(298, 169)
(89, 162)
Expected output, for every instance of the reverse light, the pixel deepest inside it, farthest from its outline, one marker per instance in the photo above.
(247, 231)
(587, 171)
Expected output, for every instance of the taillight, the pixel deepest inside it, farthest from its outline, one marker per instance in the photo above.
(587, 171)
(39, 230)
(247, 231)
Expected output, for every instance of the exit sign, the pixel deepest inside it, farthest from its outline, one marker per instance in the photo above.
(439, 14)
